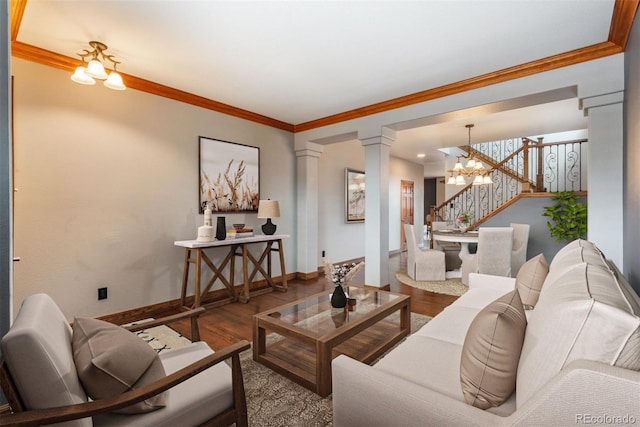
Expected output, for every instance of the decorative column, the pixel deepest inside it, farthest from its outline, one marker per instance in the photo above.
(376, 224)
(606, 173)
(307, 155)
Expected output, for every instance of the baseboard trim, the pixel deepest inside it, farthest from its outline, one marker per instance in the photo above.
(216, 296)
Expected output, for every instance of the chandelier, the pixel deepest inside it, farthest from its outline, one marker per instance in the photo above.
(86, 75)
(473, 168)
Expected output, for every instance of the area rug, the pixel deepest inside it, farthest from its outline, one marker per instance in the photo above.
(275, 401)
(452, 286)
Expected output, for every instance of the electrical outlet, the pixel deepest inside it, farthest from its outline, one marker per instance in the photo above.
(323, 254)
(102, 293)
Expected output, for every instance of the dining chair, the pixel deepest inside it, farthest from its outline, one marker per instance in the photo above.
(520, 242)
(423, 264)
(45, 381)
(493, 256)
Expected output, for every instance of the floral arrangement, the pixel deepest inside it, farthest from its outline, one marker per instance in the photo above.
(464, 218)
(341, 274)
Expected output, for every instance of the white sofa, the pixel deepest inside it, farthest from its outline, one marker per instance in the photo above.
(579, 362)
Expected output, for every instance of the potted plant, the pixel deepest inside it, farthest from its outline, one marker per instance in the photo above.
(568, 217)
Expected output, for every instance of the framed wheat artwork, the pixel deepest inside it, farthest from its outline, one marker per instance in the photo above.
(229, 176)
(354, 195)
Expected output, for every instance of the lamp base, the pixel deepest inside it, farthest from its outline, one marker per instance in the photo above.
(268, 227)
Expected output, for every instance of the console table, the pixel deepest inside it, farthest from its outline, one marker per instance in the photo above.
(237, 247)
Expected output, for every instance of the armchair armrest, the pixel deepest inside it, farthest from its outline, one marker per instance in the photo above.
(480, 281)
(89, 409)
(192, 314)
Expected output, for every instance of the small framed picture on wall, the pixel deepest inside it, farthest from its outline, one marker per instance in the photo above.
(354, 195)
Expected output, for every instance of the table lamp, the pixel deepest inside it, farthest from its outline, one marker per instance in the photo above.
(268, 209)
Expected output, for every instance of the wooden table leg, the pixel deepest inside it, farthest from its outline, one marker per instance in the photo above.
(245, 275)
(185, 277)
(196, 301)
(282, 269)
(323, 368)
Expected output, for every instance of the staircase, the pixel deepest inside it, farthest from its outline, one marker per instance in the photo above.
(519, 167)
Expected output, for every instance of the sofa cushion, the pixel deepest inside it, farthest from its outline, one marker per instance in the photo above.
(530, 279)
(111, 360)
(428, 362)
(576, 252)
(450, 325)
(584, 315)
(491, 351)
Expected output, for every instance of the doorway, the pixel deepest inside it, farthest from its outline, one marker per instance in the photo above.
(406, 210)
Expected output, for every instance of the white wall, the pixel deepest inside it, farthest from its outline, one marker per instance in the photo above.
(342, 241)
(109, 180)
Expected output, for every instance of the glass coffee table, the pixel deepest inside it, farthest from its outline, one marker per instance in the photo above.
(311, 333)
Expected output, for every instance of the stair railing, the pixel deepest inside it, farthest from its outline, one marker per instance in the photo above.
(515, 167)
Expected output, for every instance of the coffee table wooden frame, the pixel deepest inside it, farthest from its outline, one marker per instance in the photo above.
(305, 356)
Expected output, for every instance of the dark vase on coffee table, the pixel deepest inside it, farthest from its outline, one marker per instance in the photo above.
(338, 299)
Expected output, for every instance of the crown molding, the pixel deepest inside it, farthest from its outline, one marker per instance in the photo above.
(624, 12)
(52, 59)
(577, 56)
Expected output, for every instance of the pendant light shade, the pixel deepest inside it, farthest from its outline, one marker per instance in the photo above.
(96, 70)
(81, 76)
(115, 81)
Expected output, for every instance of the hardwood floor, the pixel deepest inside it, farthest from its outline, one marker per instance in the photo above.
(222, 326)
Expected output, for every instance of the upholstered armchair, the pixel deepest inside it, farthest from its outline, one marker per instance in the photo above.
(44, 383)
(423, 264)
(493, 255)
(519, 252)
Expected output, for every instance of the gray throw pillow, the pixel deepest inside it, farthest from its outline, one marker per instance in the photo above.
(111, 360)
(530, 279)
(491, 352)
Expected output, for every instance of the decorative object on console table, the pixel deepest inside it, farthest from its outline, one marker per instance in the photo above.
(269, 209)
(221, 228)
(205, 232)
(242, 232)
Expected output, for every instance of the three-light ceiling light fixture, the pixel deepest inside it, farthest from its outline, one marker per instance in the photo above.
(87, 74)
(474, 168)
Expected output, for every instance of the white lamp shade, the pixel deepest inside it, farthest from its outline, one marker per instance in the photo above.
(487, 179)
(471, 164)
(268, 209)
(460, 180)
(451, 180)
(478, 180)
(80, 76)
(115, 81)
(96, 70)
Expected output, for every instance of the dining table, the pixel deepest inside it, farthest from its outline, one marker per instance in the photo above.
(457, 236)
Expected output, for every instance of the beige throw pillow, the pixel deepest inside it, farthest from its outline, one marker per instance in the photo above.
(530, 279)
(491, 352)
(111, 360)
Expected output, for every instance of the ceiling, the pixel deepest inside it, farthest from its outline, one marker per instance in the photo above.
(299, 61)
